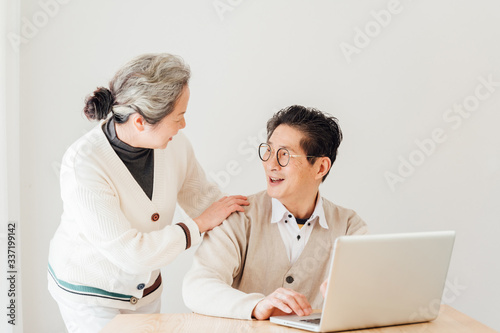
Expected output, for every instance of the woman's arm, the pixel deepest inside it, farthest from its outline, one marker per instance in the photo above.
(102, 223)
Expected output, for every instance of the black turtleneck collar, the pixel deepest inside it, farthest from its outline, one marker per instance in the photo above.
(139, 161)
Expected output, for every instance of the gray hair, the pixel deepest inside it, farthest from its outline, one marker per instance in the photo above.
(149, 85)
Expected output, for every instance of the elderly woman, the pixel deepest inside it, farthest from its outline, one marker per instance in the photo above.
(120, 184)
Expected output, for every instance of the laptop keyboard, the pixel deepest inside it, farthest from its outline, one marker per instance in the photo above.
(312, 321)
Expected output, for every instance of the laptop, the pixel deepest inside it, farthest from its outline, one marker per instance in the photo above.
(381, 280)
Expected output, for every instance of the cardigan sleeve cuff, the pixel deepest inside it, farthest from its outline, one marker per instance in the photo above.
(250, 304)
(191, 231)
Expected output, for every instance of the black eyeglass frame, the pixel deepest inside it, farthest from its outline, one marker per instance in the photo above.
(277, 154)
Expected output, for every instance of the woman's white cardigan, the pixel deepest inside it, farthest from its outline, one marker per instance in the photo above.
(112, 239)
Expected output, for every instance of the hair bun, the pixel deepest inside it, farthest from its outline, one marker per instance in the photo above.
(99, 104)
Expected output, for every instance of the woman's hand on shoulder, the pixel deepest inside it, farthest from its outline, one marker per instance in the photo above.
(219, 211)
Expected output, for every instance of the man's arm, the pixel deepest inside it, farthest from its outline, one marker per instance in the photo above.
(207, 287)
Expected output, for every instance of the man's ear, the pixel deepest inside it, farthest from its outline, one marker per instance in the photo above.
(138, 121)
(323, 166)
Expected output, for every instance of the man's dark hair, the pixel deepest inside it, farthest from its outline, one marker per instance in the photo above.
(322, 134)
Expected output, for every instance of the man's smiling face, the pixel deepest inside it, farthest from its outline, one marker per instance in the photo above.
(296, 180)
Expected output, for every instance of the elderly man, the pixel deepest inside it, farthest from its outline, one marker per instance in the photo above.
(273, 258)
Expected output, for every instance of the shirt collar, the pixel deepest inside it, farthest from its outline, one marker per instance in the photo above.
(279, 211)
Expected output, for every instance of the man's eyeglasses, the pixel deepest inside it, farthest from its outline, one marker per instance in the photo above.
(283, 155)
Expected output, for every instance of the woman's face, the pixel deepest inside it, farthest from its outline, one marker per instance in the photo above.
(163, 132)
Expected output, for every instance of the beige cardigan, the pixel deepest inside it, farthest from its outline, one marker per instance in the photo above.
(244, 260)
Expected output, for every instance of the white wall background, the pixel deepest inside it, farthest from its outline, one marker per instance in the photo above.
(251, 58)
(9, 170)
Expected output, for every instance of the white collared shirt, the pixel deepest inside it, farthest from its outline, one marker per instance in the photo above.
(295, 238)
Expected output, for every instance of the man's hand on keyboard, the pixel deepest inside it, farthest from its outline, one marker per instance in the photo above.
(282, 301)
